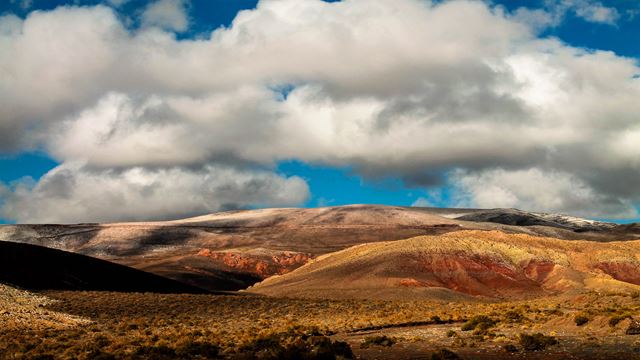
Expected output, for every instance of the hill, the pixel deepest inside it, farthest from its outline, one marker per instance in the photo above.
(232, 250)
(486, 264)
(39, 268)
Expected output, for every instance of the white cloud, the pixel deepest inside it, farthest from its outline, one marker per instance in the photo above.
(423, 202)
(537, 190)
(391, 88)
(75, 193)
(167, 14)
(595, 12)
(555, 11)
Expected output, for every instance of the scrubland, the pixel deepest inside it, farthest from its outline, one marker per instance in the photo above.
(90, 325)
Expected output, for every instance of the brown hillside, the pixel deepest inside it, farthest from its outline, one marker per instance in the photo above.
(489, 264)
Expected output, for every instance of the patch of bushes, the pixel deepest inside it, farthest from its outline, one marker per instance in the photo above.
(580, 320)
(294, 345)
(444, 354)
(536, 342)
(479, 324)
(514, 316)
(379, 340)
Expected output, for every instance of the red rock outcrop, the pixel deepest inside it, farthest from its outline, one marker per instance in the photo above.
(263, 264)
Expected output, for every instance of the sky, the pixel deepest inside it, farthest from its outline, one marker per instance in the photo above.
(115, 110)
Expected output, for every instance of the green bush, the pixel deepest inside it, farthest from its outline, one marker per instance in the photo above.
(536, 342)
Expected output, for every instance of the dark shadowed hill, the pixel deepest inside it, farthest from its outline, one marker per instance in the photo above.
(39, 268)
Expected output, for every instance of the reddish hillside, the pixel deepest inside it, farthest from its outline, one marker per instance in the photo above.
(478, 263)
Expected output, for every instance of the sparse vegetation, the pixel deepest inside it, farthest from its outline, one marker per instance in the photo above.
(140, 326)
(444, 354)
(479, 324)
(378, 340)
(536, 342)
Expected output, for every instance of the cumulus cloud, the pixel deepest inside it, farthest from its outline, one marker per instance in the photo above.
(594, 11)
(167, 14)
(76, 193)
(390, 88)
(537, 190)
(554, 12)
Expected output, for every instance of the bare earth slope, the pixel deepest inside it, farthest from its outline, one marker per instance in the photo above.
(478, 263)
(232, 250)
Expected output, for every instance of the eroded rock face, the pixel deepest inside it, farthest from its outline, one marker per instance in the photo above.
(263, 264)
(475, 274)
(538, 270)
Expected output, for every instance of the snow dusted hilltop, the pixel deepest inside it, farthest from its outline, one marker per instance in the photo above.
(524, 218)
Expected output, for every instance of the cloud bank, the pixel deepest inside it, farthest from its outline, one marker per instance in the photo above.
(391, 88)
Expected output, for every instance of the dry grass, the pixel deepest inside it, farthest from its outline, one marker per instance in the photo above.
(137, 325)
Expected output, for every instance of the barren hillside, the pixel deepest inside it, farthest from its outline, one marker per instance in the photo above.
(490, 264)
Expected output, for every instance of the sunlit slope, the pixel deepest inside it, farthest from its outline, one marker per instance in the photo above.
(490, 264)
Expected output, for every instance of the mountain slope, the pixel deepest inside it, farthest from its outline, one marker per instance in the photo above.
(39, 268)
(232, 250)
(489, 264)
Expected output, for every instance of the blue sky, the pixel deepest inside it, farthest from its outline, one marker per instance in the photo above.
(332, 180)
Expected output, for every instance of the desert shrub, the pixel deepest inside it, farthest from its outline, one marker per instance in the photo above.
(295, 346)
(451, 333)
(614, 320)
(437, 320)
(514, 316)
(510, 348)
(536, 342)
(194, 349)
(159, 352)
(379, 340)
(580, 320)
(444, 354)
(479, 322)
(480, 325)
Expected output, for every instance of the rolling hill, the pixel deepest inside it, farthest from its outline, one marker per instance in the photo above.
(486, 264)
(232, 250)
